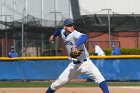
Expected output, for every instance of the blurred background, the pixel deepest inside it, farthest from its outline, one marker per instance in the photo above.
(27, 24)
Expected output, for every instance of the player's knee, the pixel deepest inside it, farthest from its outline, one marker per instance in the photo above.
(58, 83)
(99, 80)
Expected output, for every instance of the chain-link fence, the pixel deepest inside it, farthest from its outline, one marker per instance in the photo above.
(30, 35)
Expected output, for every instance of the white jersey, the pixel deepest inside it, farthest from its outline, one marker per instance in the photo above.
(80, 65)
(70, 40)
(99, 51)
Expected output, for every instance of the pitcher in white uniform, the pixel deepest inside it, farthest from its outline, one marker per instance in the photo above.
(74, 41)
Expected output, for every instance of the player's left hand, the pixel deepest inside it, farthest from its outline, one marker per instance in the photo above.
(75, 52)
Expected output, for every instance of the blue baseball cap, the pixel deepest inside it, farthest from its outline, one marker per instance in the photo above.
(68, 21)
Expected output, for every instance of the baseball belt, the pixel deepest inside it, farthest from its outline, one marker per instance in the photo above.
(78, 62)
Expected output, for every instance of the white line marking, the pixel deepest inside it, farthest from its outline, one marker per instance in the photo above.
(127, 87)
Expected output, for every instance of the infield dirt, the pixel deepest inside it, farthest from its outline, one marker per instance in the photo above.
(130, 89)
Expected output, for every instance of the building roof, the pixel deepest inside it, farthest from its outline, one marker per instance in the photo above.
(118, 22)
(87, 23)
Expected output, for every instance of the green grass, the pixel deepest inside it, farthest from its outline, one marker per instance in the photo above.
(70, 84)
(24, 84)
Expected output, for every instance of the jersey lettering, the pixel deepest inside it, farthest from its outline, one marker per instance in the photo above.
(68, 43)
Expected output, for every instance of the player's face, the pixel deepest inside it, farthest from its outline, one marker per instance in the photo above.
(113, 45)
(69, 28)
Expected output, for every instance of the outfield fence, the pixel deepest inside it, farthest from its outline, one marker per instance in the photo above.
(122, 68)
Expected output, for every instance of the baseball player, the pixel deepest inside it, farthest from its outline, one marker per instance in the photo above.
(115, 49)
(74, 42)
(98, 50)
(12, 52)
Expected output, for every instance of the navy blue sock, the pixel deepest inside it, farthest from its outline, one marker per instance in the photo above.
(104, 87)
(50, 90)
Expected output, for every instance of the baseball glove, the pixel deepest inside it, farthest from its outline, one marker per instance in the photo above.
(75, 54)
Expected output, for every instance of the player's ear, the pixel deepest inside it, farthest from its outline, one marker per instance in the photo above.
(64, 27)
(73, 27)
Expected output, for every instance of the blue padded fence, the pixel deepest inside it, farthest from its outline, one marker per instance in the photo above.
(112, 69)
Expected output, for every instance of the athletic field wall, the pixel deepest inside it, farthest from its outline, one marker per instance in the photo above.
(122, 68)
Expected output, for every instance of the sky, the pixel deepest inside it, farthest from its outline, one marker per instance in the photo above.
(117, 6)
(34, 8)
(19, 8)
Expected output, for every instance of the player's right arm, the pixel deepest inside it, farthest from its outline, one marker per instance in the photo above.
(55, 34)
